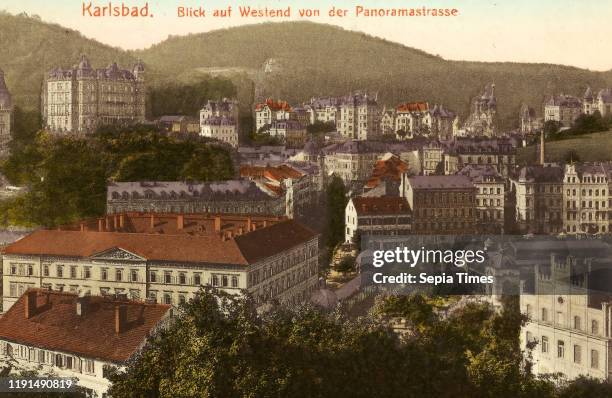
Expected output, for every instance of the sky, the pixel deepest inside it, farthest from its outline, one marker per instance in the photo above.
(568, 32)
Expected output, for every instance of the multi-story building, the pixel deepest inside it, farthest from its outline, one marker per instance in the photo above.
(497, 152)
(291, 132)
(386, 176)
(442, 205)
(227, 108)
(166, 258)
(6, 112)
(178, 124)
(269, 111)
(412, 118)
(586, 195)
(482, 120)
(539, 199)
(384, 215)
(81, 98)
(323, 110)
(299, 188)
(569, 311)
(60, 333)
(601, 102)
(221, 128)
(432, 158)
(352, 161)
(490, 194)
(387, 122)
(225, 197)
(563, 108)
(529, 122)
(444, 123)
(359, 117)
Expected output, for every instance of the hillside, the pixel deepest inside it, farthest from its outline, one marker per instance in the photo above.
(595, 147)
(311, 59)
(316, 59)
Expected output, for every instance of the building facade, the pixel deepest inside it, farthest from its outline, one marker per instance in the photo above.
(490, 197)
(568, 324)
(81, 98)
(227, 108)
(359, 117)
(60, 333)
(529, 122)
(270, 111)
(221, 128)
(383, 215)
(167, 259)
(224, 197)
(601, 102)
(441, 205)
(563, 108)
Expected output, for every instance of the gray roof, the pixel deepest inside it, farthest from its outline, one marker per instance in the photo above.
(440, 182)
(539, 173)
(481, 173)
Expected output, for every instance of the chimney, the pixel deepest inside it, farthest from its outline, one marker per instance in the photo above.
(180, 222)
(542, 144)
(120, 318)
(217, 224)
(81, 305)
(100, 225)
(152, 221)
(30, 303)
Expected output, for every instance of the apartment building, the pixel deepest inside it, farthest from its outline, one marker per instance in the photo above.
(385, 215)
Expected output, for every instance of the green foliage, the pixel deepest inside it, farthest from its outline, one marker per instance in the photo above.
(346, 264)
(551, 127)
(67, 176)
(320, 127)
(188, 99)
(336, 205)
(586, 387)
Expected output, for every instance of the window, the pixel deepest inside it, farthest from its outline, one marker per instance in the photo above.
(46, 270)
(595, 359)
(152, 276)
(73, 272)
(104, 274)
(197, 279)
(215, 280)
(168, 277)
(528, 310)
(182, 278)
(13, 269)
(167, 298)
(134, 275)
(87, 272)
(30, 270)
(544, 315)
(234, 281)
(544, 344)
(89, 366)
(182, 299)
(577, 323)
(594, 327)
(118, 274)
(224, 281)
(560, 349)
(68, 362)
(59, 360)
(41, 356)
(60, 271)
(577, 354)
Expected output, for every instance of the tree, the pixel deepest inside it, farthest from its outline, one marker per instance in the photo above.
(551, 127)
(319, 127)
(336, 206)
(586, 387)
(346, 264)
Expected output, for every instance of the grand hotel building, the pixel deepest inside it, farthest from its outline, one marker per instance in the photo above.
(166, 258)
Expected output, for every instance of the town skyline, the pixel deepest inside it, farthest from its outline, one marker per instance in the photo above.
(478, 22)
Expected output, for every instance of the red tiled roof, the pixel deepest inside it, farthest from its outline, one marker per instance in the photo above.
(413, 107)
(391, 168)
(56, 326)
(380, 205)
(274, 105)
(270, 240)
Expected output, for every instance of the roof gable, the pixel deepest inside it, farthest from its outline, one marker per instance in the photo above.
(117, 253)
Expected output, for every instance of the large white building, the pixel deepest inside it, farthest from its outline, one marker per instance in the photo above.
(601, 102)
(385, 215)
(221, 128)
(166, 258)
(563, 108)
(60, 333)
(359, 117)
(569, 320)
(270, 111)
(81, 98)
